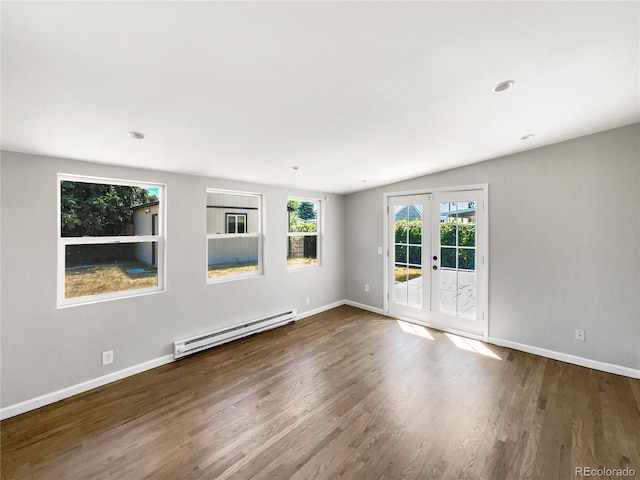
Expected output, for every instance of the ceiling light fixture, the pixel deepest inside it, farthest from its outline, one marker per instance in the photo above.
(136, 135)
(527, 136)
(502, 86)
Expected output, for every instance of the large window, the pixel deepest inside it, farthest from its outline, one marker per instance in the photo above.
(303, 246)
(111, 240)
(234, 240)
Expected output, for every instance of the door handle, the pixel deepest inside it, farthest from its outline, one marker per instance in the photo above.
(435, 267)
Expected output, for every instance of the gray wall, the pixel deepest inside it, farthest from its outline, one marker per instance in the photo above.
(564, 244)
(564, 253)
(45, 349)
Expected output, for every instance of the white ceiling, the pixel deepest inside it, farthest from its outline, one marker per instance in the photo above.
(375, 91)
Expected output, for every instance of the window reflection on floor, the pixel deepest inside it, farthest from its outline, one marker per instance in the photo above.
(413, 329)
(472, 345)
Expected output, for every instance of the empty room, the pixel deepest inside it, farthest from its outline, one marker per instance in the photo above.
(320, 240)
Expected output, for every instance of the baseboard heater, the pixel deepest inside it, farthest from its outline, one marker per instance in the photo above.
(197, 343)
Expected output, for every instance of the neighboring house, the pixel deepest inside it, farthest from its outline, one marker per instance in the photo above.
(467, 215)
(232, 214)
(412, 211)
(145, 222)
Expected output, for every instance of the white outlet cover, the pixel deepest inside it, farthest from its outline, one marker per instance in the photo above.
(107, 357)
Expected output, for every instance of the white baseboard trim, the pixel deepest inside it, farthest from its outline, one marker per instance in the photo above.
(542, 352)
(565, 357)
(48, 398)
(41, 401)
(315, 311)
(362, 306)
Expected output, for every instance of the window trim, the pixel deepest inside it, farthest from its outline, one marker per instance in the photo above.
(63, 242)
(258, 234)
(318, 233)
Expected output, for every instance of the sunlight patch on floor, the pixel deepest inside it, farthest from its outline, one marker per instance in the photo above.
(413, 329)
(470, 345)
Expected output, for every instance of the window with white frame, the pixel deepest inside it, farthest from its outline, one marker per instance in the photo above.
(110, 239)
(303, 245)
(234, 235)
(236, 222)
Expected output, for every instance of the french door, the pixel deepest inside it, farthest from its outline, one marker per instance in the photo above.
(436, 259)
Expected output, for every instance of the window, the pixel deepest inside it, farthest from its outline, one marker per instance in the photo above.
(234, 239)
(111, 240)
(236, 223)
(303, 239)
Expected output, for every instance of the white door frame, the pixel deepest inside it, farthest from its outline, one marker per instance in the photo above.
(484, 313)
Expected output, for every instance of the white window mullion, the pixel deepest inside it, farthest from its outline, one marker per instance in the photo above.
(302, 234)
(108, 240)
(232, 235)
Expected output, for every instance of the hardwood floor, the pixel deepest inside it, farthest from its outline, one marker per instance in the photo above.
(345, 394)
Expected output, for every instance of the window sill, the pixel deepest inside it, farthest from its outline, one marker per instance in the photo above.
(233, 278)
(303, 268)
(92, 300)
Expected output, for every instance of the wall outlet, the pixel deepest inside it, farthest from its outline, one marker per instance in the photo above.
(379, 250)
(107, 357)
(579, 335)
(366, 287)
(308, 301)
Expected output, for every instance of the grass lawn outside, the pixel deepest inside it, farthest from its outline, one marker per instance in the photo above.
(96, 279)
(400, 273)
(216, 271)
(301, 262)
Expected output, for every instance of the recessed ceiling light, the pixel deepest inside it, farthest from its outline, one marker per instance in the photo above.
(502, 86)
(527, 136)
(136, 135)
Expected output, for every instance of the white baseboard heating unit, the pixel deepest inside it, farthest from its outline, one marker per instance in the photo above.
(197, 343)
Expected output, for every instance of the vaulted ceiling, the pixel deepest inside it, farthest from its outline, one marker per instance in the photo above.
(355, 94)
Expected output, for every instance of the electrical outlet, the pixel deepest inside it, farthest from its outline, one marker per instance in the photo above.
(579, 335)
(379, 250)
(107, 357)
(366, 287)
(308, 301)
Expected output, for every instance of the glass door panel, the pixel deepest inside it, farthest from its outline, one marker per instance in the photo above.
(406, 220)
(455, 274)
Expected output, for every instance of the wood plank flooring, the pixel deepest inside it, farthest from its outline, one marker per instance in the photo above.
(346, 394)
